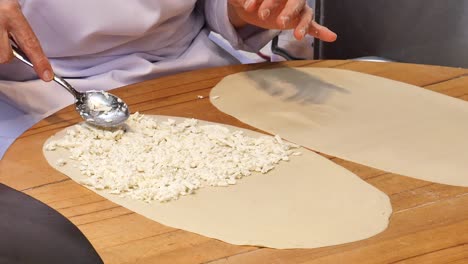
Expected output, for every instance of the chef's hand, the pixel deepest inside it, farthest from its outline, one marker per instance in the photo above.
(278, 14)
(14, 24)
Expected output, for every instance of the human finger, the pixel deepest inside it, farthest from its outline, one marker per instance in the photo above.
(302, 27)
(28, 42)
(321, 32)
(247, 5)
(6, 54)
(291, 13)
(269, 7)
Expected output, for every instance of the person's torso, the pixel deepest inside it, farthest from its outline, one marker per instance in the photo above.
(68, 28)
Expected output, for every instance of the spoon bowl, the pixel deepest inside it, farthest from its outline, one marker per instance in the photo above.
(102, 109)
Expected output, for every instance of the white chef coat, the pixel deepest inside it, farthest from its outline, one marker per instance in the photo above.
(110, 43)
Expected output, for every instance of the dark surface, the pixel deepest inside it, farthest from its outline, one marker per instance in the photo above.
(32, 232)
(416, 31)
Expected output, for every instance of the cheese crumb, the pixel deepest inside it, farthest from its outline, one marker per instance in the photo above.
(96, 106)
(106, 94)
(200, 97)
(160, 161)
(61, 162)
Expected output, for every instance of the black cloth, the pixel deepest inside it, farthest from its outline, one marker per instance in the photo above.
(32, 232)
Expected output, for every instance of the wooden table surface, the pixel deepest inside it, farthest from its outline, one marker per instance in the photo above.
(429, 223)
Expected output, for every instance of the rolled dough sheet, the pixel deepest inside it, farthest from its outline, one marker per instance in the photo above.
(385, 124)
(304, 203)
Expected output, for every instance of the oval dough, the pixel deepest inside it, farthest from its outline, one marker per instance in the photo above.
(304, 203)
(385, 124)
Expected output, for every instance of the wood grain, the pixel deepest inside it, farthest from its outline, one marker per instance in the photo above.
(429, 224)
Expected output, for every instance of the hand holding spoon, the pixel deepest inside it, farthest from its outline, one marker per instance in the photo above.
(98, 108)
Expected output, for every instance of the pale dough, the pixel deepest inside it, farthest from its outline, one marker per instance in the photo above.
(385, 124)
(304, 203)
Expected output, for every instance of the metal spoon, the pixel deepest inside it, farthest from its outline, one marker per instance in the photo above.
(98, 108)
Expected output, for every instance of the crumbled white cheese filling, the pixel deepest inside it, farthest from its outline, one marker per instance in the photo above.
(61, 162)
(160, 161)
(97, 107)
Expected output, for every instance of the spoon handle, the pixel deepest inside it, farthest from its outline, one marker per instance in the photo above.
(20, 55)
(67, 86)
